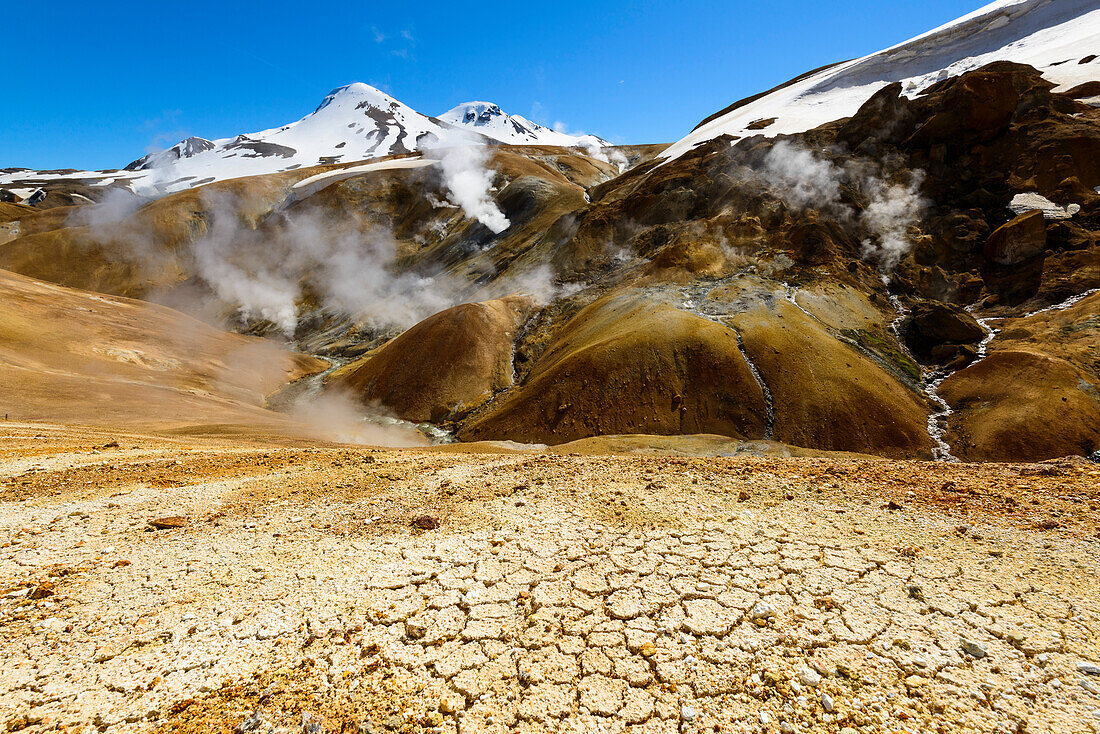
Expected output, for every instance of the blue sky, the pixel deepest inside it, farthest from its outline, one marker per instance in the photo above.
(98, 84)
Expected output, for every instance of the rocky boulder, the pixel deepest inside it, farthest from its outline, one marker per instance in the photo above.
(1020, 239)
(940, 332)
(977, 106)
(963, 231)
(885, 117)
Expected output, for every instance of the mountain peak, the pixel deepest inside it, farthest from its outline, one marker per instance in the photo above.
(490, 120)
(356, 93)
(183, 149)
(473, 113)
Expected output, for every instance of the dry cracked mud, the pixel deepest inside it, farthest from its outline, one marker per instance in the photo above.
(558, 593)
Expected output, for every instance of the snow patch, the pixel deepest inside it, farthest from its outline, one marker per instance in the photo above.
(1022, 203)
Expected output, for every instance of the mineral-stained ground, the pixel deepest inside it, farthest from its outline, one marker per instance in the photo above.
(323, 588)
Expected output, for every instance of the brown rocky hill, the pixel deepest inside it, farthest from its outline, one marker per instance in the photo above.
(892, 283)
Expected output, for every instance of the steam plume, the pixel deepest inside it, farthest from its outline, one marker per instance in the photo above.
(468, 181)
(802, 179)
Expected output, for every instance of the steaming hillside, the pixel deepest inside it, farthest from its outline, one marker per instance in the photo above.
(908, 268)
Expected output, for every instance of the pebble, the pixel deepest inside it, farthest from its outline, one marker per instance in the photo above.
(1088, 668)
(762, 610)
(765, 717)
(809, 677)
(827, 702)
(973, 649)
(253, 722)
(687, 713)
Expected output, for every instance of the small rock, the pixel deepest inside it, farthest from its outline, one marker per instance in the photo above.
(827, 702)
(168, 523)
(1088, 668)
(765, 717)
(787, 728)
(916, 592)
(310, 725)
(744, 495)
(425, 522)
(809, 677)
(973, 649)
(687, 713)
(762, 610)
(41, 591)
(253, 722)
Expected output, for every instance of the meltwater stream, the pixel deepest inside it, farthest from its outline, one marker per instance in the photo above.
(991, 333)
(930, 381)
(695, 299)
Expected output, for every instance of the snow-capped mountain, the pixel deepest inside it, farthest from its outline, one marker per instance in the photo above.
(488, 119)
(1061, 38)
(353, 123)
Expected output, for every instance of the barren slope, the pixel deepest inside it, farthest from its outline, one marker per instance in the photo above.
(73, 355)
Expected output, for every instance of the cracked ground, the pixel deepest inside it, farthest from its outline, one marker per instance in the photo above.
(336, 589)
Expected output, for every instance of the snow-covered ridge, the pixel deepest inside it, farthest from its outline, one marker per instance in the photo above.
(488, 119)
(352, 123)
(1058, 37)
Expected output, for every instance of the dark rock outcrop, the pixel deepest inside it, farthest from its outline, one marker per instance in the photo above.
(1017, 240)
(940, 332)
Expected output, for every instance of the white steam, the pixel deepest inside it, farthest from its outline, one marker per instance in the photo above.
(348, 270)
(893, 209)
(469, 182)
(803, 180)
(343, 269)
(335, 415)
(115, 206)
(608, 154)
